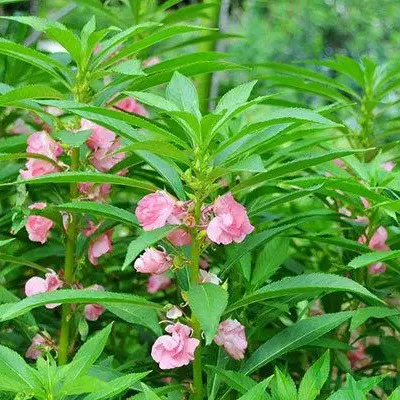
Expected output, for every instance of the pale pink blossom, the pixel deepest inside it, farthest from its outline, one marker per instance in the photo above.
(103, 159)
(155, 210)
(365, 202)
(340, 163)
(357, 357)
(157, 283)
(41, 143)
(95, 192)
(130, 105)
(230, 223)
(377, 268)
(37, 347)
(232, 337)
(204, 263)
(38, 227)
(151, 61)
(153, 261)
(179, 237)
(90, 228)
(19, 127)
(388, 166)
(174, 313)
(209, 277)
(345, 211)
(174, 350)
(362, 219)
(36, 285)
(92, 312)
(100, 246)
(101, 138)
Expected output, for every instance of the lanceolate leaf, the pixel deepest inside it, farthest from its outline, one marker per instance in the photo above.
(96, 177)
(293, 337)
(29, 92)
(363, 314)
(236, 380)
(10, 311)
(98, 209)
(371, 258)
(308, 283)
(208, 302)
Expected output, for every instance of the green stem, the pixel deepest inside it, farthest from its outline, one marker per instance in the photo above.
(194, 279)
(69, 267)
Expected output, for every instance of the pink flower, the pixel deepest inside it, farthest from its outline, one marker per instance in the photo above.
(41, 143)
(377, 268)
(175, 350)
(174, 313)
(358, 358)
(100, 246)
(345, 211)
(157, 283)
(361, 219)
(155, 210)
(92, 312)
(129, 104)
(95, 192)
(204, 263)
(101, 138)
(90, 228)
(38, 227)
(179, 237)
(388, 166)
(19, 127)
(209, 277)
(151, 61)
(103, 159)
(340, 163)
(36, 285)
(37, 347)
(153, 261)
(230, 223)
(365, 202)
(232, 337)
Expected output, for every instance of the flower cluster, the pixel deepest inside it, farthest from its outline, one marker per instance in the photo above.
(223, 222)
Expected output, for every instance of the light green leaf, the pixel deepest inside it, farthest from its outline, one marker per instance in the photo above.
(74, 139)
(153, 100)
(116, 387)
(129, 67)
(144, 241)
(370, 258)
(283, 386)
(235, 97)
(236, 380)
(10, 311)
(313, 284)
(208, 302)
(258, 391)
(314, 378)
(182, 92)
(84, 384)
(98, 209)
(363, 314)
(295, 336)
(29, 92)
(149, 394)
(96, 177)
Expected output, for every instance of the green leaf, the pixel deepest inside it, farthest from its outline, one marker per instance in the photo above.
(29, 92)
(290, 167)
(96, 177)
(395, 394)
(236, 380)
(367, 384)
(136, 315)
(74, 139)
(153, 100)
(363, 314)
(16, 374)
(86, 356)
(98, 209)
(6, 241)
(235, 97)
(21, 261)
(349, 392)
(116, 387)
(84, 384)
(269, 259)
(313, 284)
(208, 302)
(129, 67)
(295, 336)
(149, 394)
(144, 241)
(182, 92)
(314, 378)
(13, 310)
(374, 257)
(258, 391)
(283, 386)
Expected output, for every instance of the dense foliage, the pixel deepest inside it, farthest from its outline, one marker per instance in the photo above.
(159, 243)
